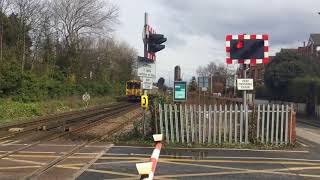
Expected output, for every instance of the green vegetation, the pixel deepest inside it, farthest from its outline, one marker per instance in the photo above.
(49, 53)
(293, 77)
(12, 111)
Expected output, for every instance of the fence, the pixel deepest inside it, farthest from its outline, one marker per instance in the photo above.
(273, 124)
(201, 98)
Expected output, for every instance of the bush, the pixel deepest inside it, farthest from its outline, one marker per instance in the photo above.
(263, 92)
(29, 87)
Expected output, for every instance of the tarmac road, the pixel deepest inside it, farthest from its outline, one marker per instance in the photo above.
(104, 161)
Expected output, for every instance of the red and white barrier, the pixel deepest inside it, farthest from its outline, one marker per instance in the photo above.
(154, 159)
(147, 170)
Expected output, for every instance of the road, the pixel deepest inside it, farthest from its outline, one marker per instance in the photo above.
(301, 163)
(107, 161)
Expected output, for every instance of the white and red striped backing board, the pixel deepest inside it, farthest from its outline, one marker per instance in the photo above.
(264, 60)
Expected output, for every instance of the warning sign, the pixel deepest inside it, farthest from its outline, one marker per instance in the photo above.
(245, 84)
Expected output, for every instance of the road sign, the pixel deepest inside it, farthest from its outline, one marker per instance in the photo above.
(230, 82)
(180, 91)
(203, 82)
(147, 83)
(86, 97)
(144, 101)
(204, 89)
(247, 49)
(146, 69)
(245, 84)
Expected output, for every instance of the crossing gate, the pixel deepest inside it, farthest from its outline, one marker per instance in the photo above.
(196, 124)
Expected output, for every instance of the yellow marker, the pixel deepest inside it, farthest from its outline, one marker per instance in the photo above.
(144, 101)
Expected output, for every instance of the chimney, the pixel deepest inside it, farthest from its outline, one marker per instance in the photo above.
(304, 44)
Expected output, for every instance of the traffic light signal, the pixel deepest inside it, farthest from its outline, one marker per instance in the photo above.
(155, 43)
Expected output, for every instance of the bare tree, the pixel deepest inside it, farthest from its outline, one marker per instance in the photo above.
(76, 18)
(4, 5)
(26, 10)
(218, 71)
(42, 35)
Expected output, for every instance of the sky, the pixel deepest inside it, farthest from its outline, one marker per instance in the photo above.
(196, 29)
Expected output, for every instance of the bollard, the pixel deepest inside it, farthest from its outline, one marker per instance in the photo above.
(147, 170)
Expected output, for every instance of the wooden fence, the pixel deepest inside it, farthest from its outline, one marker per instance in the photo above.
(273, 124)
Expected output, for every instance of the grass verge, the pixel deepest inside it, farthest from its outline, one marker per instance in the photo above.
(11, 111)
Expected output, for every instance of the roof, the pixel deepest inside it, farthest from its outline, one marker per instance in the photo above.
(288, 50)
(315, 38)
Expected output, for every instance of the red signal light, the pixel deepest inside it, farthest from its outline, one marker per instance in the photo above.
(240, 45)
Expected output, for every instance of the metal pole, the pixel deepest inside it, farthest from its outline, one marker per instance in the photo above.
(245, 92)
(234, 85)
(211, 84)
(146, 19)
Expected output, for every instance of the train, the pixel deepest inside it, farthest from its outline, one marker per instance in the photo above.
(134, 90)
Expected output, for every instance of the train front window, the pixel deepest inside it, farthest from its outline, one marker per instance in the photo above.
(137, 85)
(130, 85)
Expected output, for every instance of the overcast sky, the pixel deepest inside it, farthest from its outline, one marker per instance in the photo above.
(196, 29)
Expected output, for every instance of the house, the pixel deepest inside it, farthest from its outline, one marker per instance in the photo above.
(313, 46)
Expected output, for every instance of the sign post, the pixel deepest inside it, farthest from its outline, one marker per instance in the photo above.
(86, 98)
(245, 85)
(247, 49)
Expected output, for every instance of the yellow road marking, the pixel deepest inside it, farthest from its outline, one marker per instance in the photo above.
(222, 149)
(12, 143)
(202, 165)
(18, 167)
(230, 168)
(100, 171)
(215, 157)
(241, 171)
(24, 161)
(113, 172)
(32, 152)
(5, 137)
(235, 172)
(73, 165)
(50, 156)
(103, 163)
(125, 178)
(3, 142)
(242, 161)
(117, 162)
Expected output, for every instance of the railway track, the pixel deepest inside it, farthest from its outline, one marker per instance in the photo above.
(64, 120)
(52, 164)
(49, 118)
(87, 122)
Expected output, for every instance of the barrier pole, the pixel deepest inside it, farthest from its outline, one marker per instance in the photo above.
(147, 170)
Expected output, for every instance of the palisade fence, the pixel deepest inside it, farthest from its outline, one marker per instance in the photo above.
(198, 124)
